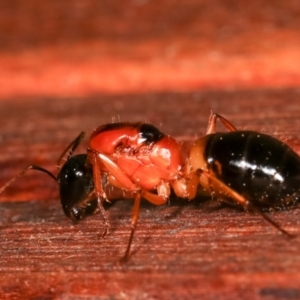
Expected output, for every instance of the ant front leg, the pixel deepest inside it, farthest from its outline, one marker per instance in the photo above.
(119, 179)
(211, 127)
(99, 191)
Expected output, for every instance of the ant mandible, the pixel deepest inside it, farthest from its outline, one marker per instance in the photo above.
(243, 168)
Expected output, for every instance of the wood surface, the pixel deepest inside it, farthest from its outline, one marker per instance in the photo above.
(180, 251)
(70, 66)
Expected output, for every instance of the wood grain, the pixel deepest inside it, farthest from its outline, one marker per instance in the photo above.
(180, 251)
(70, 66)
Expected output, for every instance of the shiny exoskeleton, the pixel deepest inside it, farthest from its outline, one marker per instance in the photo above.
(245, 168)
(76, 188)
(259, 167)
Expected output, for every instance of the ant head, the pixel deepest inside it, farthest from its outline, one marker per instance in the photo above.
(76, 184)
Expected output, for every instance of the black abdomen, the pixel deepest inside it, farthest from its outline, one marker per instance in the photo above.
(259, 167)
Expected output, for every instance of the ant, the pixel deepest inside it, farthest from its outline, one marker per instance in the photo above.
(243, 168)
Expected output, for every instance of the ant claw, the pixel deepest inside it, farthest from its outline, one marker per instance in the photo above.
(124, 259)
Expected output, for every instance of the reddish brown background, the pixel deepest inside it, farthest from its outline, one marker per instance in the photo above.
(68, 66)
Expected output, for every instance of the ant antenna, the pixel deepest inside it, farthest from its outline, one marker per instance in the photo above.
(71, 148)
(31, 167)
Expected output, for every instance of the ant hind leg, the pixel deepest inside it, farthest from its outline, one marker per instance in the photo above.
(221, 187)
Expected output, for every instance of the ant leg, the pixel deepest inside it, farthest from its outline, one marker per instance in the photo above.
(211, 127)
(99, 191)
(71, 148)
(105, 217)
(222, 189)
(119, 176)
(119, 179)
(154, 199)
(268, 219)
(31, 167)
(134, 221)
(186, 187)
